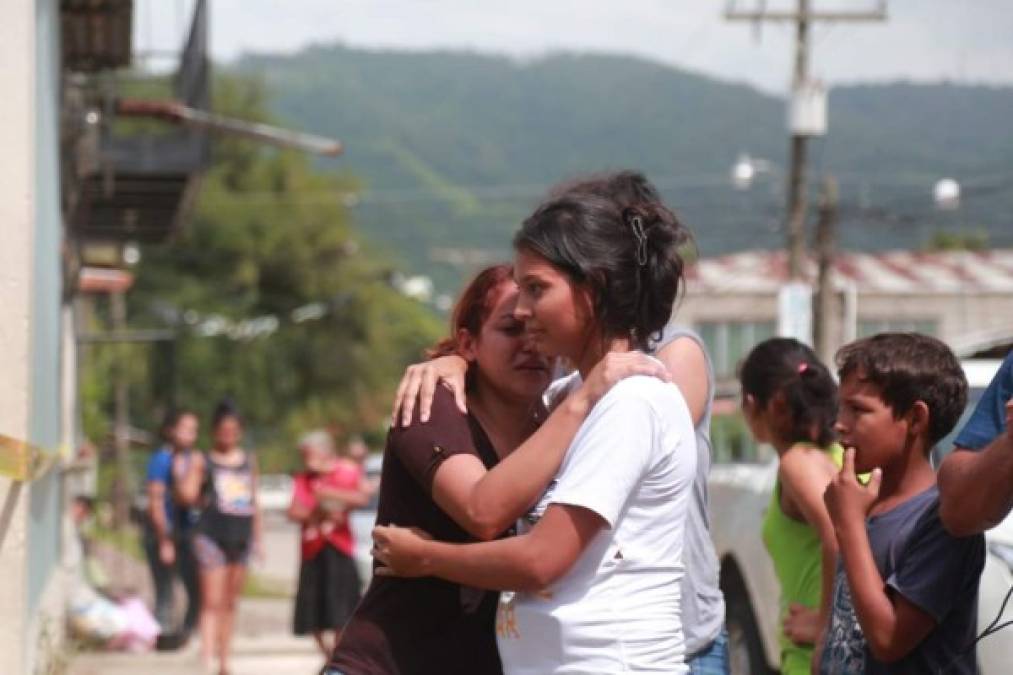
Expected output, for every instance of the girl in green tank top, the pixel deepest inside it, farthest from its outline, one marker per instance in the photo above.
(789, 400)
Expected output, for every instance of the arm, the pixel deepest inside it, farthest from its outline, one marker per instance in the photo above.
(804, 479)
(975, 490)
(687, 364)
(487, 502)
(350, 498)
(188, 477)
(258, 520)
(302, 509)
(160, 522)
(529, 562)
(892, 625)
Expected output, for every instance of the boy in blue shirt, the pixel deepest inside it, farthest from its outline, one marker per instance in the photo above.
(905, 596)
(976, 479)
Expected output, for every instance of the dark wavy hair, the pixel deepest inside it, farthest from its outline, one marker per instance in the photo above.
(614, 235)
(907, 368)
(786, 367)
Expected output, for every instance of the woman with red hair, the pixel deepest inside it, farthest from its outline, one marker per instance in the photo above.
(440, 477)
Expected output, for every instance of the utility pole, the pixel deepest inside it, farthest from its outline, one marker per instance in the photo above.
(825, 297)
(803, 18)
(123, 485)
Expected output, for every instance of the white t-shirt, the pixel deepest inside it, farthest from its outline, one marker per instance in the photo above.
(617, 610)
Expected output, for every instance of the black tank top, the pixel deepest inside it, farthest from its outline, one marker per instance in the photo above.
(228, 515)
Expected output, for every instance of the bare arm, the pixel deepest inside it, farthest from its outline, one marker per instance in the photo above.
(299, 513)
(892, 625)
(258, 519)
(485, 503)
(529, 562)
(188, 477)
(156, 509)
(976, 488)
(804, 479)
(687, 364)
(350, 498)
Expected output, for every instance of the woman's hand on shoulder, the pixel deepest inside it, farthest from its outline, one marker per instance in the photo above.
(418, 385)
(616, 366)
(400, 551)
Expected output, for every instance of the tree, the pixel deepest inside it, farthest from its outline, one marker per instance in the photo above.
(269, 235)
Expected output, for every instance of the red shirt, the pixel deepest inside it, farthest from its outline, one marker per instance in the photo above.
(344, 476)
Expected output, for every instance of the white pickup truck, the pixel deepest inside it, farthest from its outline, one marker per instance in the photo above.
(739, 495)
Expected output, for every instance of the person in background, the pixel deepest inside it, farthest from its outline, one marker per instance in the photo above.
(789, 400)
(976, 479)
(323, 494)
(224, 485)
(906, 592)
(168, 526)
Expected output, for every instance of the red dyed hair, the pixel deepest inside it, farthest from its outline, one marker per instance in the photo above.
(473, 307)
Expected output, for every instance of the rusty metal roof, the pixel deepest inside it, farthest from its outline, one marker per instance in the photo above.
(886, 273)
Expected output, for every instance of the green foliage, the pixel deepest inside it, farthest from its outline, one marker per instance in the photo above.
(268, 235)
(976, 240)
(460, 146)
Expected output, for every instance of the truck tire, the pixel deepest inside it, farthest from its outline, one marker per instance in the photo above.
(745, 648)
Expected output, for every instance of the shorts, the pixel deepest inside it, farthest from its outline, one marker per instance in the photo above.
(211, 553)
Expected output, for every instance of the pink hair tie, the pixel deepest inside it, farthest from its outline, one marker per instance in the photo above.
(802, 367)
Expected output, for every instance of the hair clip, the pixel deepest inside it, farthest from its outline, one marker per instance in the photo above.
(637, 225)
(802, 367)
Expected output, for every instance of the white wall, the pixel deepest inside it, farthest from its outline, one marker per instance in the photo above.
(17, 216)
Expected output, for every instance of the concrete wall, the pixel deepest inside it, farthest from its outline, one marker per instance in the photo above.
(17, 219)
(31, 330)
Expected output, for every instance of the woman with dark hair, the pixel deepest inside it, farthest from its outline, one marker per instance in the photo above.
(683, 353)
(466, 477)
(593, 578)
(224, 486)
(167, 541)
(789, 400)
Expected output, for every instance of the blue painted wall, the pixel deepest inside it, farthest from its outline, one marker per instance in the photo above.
(45, 503)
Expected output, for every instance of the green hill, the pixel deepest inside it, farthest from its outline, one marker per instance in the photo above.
(454, 148)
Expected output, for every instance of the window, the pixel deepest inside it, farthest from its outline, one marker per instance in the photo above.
(728, 342)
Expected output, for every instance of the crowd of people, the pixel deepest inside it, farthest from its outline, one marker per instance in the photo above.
(536, 525)
(543, 496)
(203, 526)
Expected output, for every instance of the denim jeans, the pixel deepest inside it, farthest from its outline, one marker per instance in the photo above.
(163, 576)
(713, 660)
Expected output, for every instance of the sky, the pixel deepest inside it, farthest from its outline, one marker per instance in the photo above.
(922, 40)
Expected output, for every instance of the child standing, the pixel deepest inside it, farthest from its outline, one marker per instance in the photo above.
(789, 400)
(329, 584)
(224, 485)
(905, 596)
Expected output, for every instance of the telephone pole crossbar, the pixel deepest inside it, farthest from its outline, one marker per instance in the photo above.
(796, 188)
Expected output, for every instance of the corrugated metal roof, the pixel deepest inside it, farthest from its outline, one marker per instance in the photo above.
(891, 272)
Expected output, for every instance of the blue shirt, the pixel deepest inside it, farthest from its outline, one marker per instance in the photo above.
(934, 571)
(989, 417)
(160, 471)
